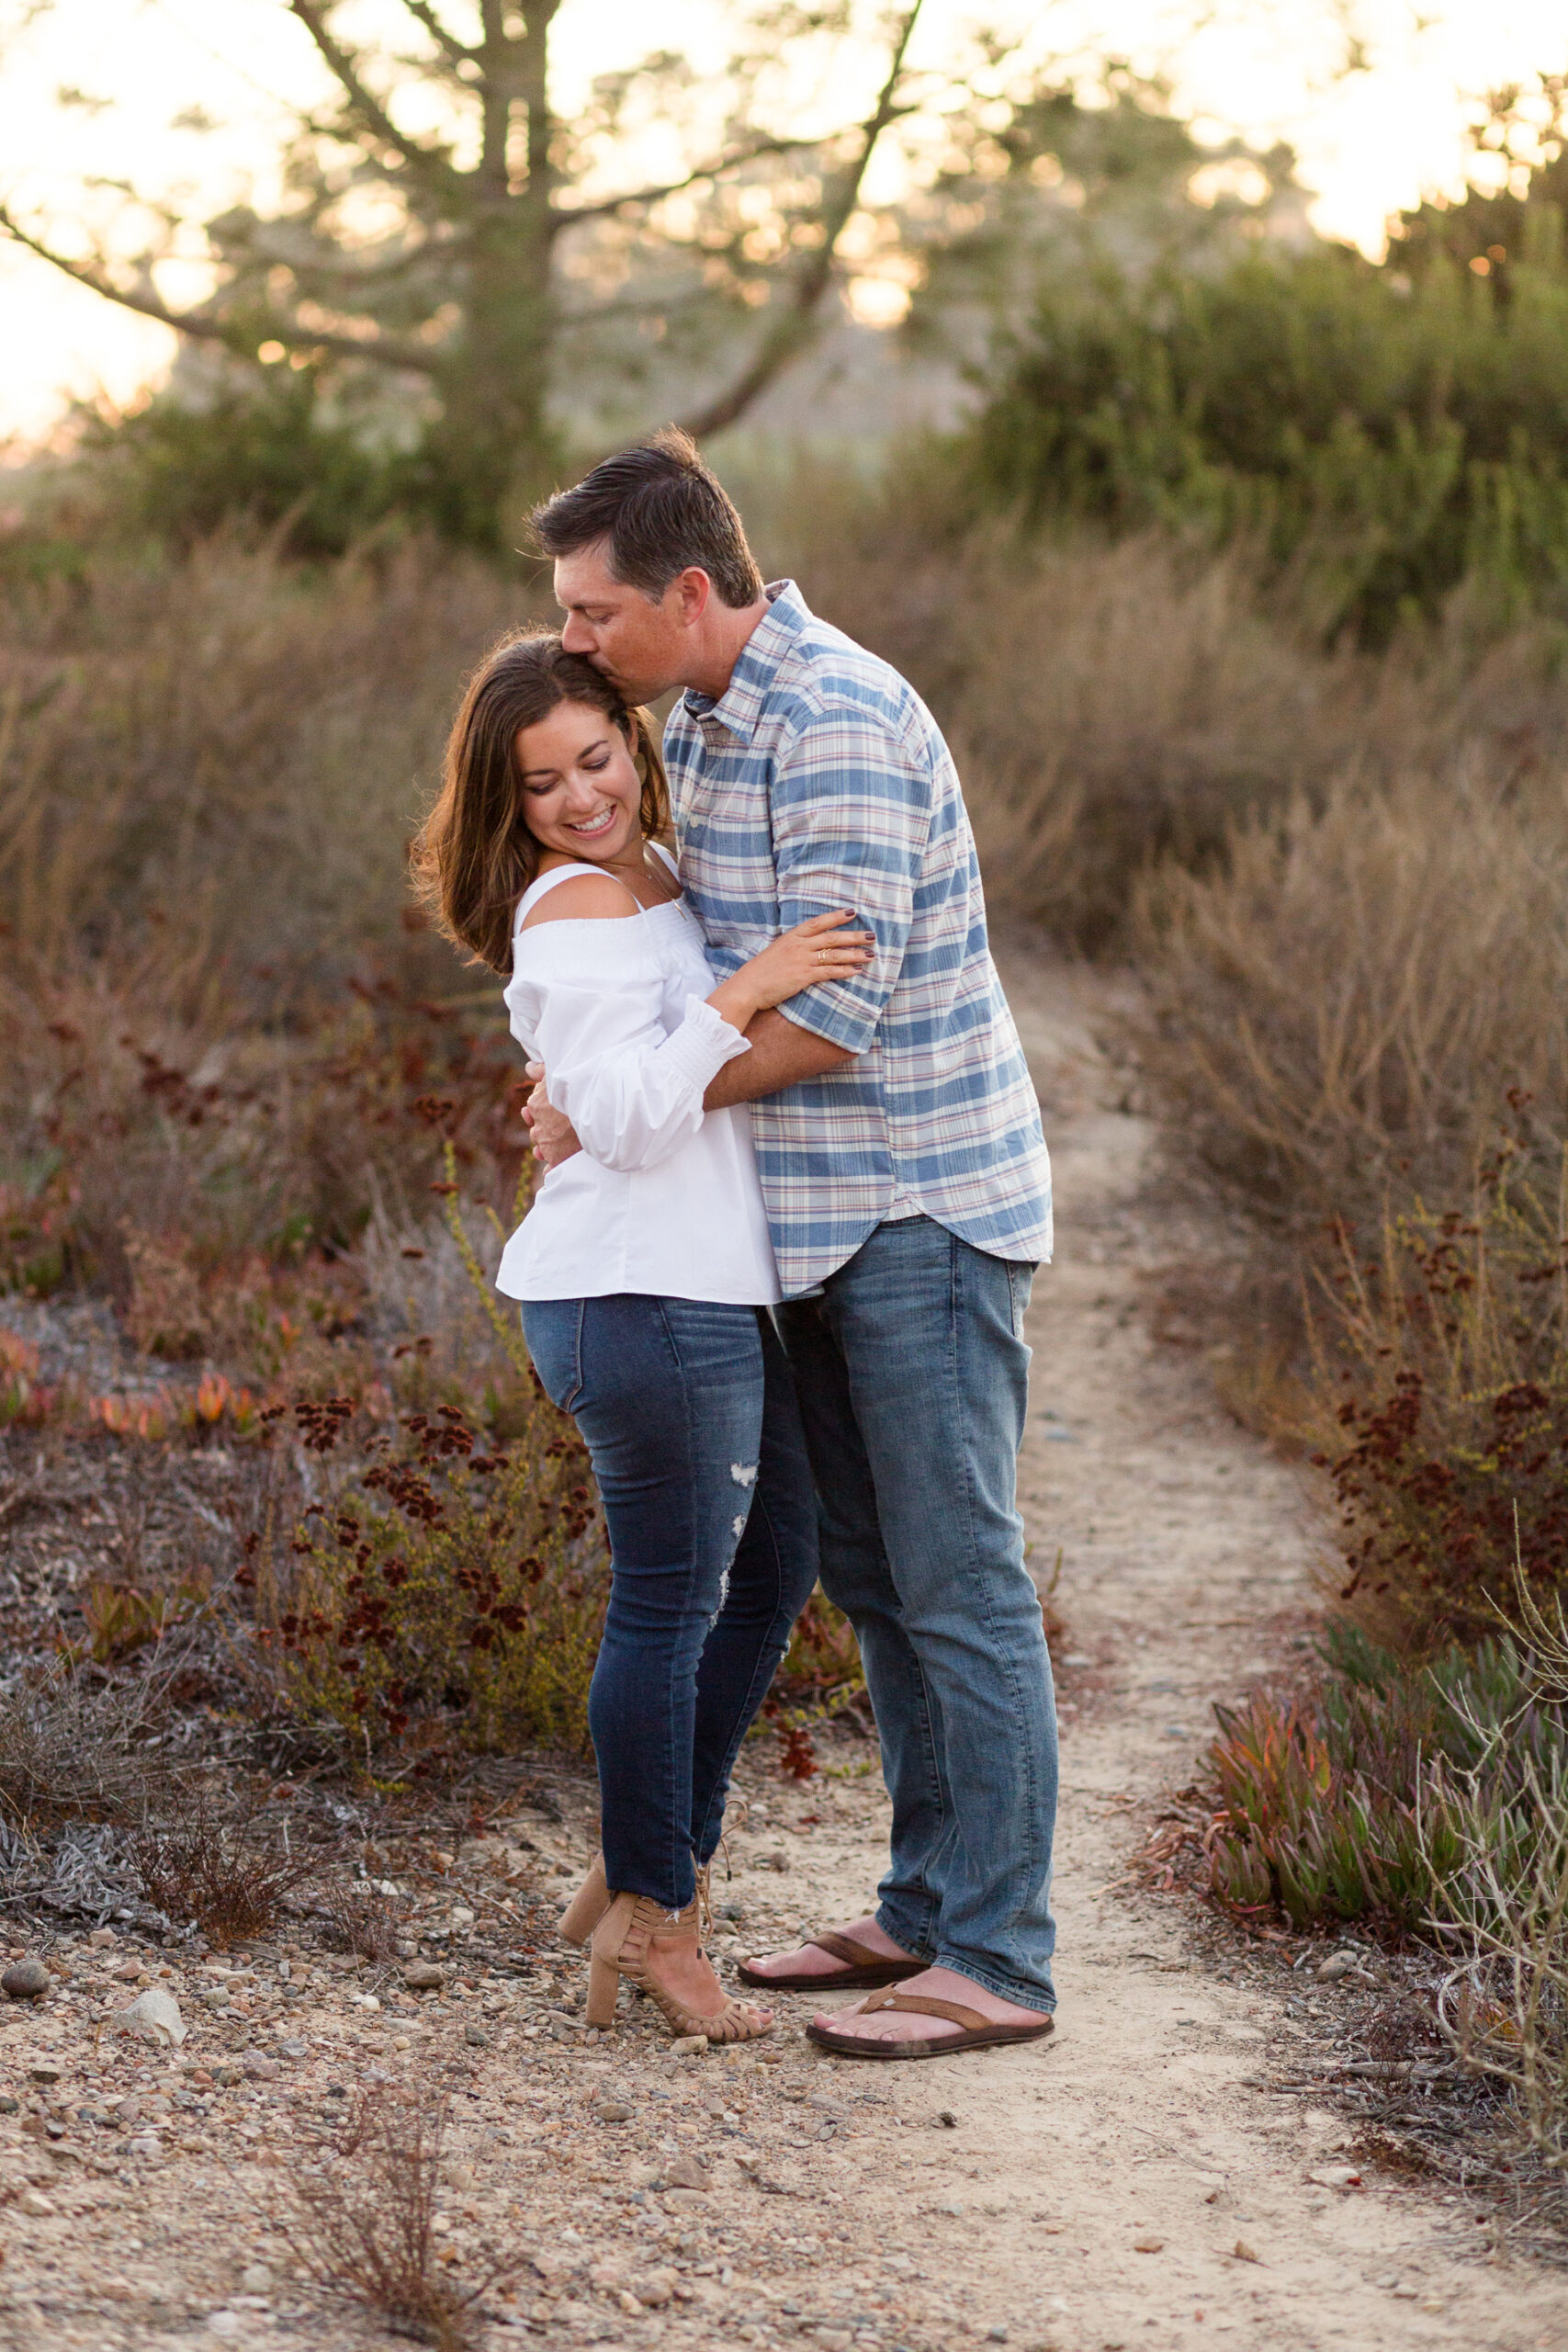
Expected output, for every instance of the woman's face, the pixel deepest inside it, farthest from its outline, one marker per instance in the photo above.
(580, 789)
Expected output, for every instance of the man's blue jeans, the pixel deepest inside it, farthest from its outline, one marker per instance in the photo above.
(687, 1409)
(911, 1371)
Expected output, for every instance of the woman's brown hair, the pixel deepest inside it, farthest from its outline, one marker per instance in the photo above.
(474, 857)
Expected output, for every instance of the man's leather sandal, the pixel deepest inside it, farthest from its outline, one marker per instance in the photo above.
(862, 1970)
(980, 2032)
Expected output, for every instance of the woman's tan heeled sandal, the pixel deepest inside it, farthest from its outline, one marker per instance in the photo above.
(587, 1906)
(628, 1941)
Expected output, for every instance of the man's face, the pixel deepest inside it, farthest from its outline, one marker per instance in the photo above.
(640, 646)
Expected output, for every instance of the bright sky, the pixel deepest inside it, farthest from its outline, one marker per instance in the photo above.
(1368, 143)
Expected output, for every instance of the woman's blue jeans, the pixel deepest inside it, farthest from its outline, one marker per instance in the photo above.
(688, 1409)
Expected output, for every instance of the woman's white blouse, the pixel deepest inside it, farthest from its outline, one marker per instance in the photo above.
(663, 1198)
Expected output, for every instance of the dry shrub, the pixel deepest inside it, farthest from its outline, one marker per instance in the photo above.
(1501, 1904)
(70, 1747)
(229, 743)
(165, 1317)
(1344, 1011)
(231, 1877)
(363, 2224)
(1442, 1408)
(445, 1589)
(362, 1917)
(168, 1134)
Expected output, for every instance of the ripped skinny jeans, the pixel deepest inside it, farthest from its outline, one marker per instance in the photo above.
(688, 1411)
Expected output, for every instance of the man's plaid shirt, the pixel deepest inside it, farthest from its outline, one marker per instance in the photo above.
(821, 780)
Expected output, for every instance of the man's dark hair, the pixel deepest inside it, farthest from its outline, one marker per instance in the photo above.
(660, 509)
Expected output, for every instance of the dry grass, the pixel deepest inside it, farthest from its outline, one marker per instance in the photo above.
(362, 1919)
(228, 748)
(364, 2224)
(1343, 1013)
(72, 1749)
(231, 1877)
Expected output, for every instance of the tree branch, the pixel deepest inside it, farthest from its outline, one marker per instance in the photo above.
(386, 351)
(426, 162)
(451, 48)
(568, 213)
(798, 325)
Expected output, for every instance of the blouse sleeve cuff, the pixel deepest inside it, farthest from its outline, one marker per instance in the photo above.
(703, 1042)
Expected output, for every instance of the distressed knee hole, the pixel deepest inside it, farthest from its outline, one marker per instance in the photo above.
(738, 1524)
(743, 1473)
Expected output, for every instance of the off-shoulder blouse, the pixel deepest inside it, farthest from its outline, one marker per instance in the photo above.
(664, 1198)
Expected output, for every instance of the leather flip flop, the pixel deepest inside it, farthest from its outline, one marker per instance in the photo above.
(863, 1969)
(980, 2032)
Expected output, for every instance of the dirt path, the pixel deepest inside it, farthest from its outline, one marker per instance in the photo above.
(1136, 2181)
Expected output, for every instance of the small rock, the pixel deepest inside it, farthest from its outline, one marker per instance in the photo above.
(154, 2017)
(688, 2046)
(1337, 1965)
(688, 2172)
(128, 1971)
(628, 2304)
(44, 2073)
(836, 2339)
(425, 1977)
(34, 2202)
(295, 2049)
(685, 2200)
(225, 2323)
(476, 2037)
(256, 2279)
(1336, 2177)
(262, 2070)
(25, 1979)
(946, 2117)
(653, 2289)
(1242, 2252)
(1148, 2245)
(613, 2110)
(144, 2144)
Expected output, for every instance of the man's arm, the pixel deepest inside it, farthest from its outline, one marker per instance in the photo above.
(781, 1053)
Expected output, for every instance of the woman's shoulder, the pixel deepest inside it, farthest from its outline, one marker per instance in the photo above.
(578, 898)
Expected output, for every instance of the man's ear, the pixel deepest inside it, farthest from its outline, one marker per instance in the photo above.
(692, 591)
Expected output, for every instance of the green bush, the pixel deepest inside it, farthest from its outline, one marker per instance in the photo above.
(263, 446)
(1388, 437)
(1340, 1804)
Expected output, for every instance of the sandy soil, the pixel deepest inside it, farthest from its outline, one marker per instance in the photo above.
(1139, 2180)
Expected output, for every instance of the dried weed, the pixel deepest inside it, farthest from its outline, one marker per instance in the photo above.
(231, 1878)
(364, 2224)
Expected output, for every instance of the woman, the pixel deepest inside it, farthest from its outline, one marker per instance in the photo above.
(645, 1272)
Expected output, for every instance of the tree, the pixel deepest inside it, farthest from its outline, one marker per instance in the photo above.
(1519, 141)
(443, 227)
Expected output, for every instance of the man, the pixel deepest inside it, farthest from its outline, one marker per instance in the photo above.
(908, 1191)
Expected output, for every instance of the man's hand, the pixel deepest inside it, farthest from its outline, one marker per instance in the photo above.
(554, 1138)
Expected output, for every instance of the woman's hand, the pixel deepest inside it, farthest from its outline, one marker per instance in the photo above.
(819, 949)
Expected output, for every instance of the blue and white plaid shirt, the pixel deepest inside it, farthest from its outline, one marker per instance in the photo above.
(819, 780)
